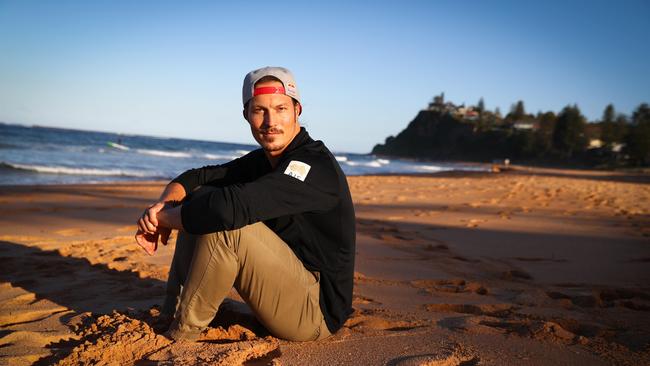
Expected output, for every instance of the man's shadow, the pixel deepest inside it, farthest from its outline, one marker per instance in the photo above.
(81, 286)
(75, 283)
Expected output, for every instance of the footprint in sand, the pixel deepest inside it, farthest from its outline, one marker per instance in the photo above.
(364, 320)
(363, 300)
(472, 223)
(437, 247)
(515, 274)
(536, 329)
(505, 215)
(70, 232)
(493, 310)
(452, 285)
(126, 229)
(453, 355)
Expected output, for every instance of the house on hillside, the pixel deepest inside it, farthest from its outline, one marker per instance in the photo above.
(467, 113)
(525, 125)
(595, 144)
(439, 105)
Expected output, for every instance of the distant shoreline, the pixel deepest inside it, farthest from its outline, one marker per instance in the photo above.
(638, 175)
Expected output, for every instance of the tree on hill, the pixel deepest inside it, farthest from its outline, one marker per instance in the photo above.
(544, 134)
(517, 112)
(569, 132)
(612, 130)
(609, 114)
(638, 136)
(622, 125)
(480, 107)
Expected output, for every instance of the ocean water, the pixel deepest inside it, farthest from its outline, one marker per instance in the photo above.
(43, 155)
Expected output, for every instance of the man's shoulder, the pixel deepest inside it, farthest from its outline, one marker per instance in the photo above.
(254, 157)
(314, 152)
(254, 154)
(318, 164)
(247, 167)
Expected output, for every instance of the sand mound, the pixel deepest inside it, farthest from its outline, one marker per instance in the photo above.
(113, 339)
(120, 339)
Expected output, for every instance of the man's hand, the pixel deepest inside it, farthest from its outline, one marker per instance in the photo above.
(151, 228)
(157, 223)
(148, 231)
(148, 222)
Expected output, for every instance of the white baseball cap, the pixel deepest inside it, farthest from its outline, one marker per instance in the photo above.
(284, 75)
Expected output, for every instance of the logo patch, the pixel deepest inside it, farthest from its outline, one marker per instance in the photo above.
(298, 170)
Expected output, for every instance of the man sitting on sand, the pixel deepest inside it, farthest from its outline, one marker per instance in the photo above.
(277, 224)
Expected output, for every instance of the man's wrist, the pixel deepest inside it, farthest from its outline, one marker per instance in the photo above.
(171, 203)
(170, 217)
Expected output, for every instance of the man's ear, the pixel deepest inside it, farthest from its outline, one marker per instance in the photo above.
(298, 108)
(245, 114)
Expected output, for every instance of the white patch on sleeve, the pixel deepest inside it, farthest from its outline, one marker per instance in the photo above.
(298, 170)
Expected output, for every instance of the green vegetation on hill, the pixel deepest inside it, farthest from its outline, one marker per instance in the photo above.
(444, 131)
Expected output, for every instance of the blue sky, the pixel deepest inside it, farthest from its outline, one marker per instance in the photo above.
(174, 68)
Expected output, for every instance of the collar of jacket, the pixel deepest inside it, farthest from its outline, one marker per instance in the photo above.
(301, 139)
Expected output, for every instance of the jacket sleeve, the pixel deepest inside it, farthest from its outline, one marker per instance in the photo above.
(235, 170)
(273, 195)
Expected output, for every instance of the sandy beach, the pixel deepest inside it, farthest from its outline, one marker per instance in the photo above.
(524, 267)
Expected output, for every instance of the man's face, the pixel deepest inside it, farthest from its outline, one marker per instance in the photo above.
(273, 119)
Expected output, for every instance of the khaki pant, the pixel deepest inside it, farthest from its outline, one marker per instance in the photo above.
(267, 274)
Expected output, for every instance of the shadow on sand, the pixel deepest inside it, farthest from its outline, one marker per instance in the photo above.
(74, 282)
(84, 287)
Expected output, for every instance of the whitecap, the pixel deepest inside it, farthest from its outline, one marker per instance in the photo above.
(167, 154)
(219, 157)
(372, 164)
(430, 168)
(55, 169)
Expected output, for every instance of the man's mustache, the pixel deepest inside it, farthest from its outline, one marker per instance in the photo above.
(271, 130)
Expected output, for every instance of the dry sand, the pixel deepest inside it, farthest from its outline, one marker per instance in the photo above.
(532, 267)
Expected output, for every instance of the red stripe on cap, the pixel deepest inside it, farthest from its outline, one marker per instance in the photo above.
(269, 90)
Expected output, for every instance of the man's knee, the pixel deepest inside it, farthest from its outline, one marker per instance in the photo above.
(236, 239)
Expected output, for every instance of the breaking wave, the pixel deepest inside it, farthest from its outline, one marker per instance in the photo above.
(167, 154)
(54, 169)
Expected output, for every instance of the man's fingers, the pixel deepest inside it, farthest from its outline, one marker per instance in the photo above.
(151, 228)
(141, 227)
(148, 222)
(146, 226)
(152, 215)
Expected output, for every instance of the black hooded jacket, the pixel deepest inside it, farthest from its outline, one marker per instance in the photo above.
(305, 200)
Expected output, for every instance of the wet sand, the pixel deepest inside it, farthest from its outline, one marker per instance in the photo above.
(531, 266)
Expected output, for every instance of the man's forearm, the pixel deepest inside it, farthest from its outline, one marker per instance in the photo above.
(174, 192)
(170, 216)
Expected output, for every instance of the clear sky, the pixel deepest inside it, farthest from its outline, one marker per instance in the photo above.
(364, 69)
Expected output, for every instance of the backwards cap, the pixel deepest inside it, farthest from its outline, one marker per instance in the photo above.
(284, 75)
